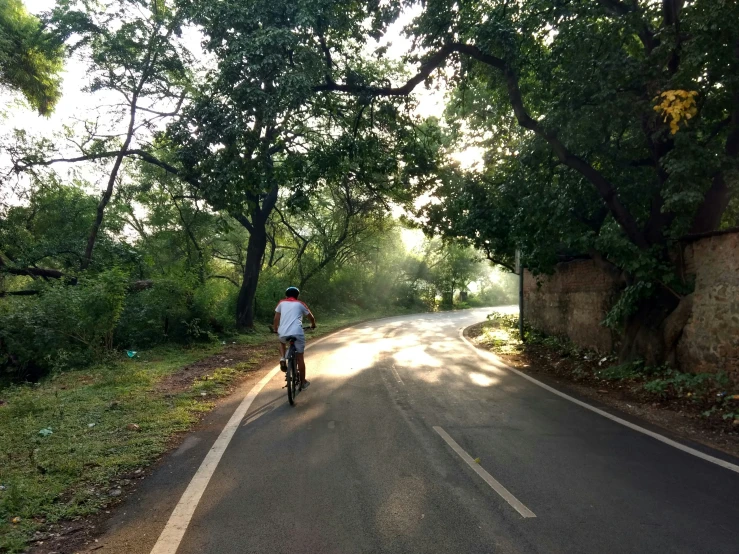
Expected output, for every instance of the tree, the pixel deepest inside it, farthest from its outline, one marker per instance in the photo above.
(611, 128)
(42, 240)
(134, 53)
(252, 127)
(30, 57)
(449, 267)
(330, 230)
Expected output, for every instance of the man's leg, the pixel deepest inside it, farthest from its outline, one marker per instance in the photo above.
(301, 366)
(283, 364)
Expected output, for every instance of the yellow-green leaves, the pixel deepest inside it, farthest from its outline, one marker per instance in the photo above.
(677, 106)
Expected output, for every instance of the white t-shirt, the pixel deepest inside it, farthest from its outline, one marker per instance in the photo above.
(291, 312)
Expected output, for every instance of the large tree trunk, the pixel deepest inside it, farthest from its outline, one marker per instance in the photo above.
(254, 255)
(652, 333)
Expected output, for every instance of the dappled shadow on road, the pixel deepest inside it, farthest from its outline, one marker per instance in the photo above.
(338, 471)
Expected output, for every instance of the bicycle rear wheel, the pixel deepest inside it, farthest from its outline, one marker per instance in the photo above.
(290, 377)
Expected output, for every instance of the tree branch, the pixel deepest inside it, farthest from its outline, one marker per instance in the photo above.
(427, 68)
(229, 279)
(604, 187)
(19, 293)
(498, 261)
(241, 218)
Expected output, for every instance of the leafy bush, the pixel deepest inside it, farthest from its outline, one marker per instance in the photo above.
(63, 325)
(215, 305)
(166, 312)
(676, 382)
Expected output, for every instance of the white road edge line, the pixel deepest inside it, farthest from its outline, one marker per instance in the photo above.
(169, 540)
(171, 537)
(697, 453)
(489, 479)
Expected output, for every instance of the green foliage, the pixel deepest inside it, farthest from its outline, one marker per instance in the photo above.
(678, 383)
(586, 81)
(619, 372)
(64, 326)
(30, 57)
(133, 48)
(500, 333)
(158, 314)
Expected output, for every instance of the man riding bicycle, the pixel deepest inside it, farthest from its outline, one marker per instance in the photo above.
(289, 323)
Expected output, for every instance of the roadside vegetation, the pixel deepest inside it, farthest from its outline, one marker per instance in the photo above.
(710, 399)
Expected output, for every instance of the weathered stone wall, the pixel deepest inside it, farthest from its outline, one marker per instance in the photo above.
(710, 340)
(572, 303)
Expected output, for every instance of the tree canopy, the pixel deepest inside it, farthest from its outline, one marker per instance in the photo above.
(30, 57)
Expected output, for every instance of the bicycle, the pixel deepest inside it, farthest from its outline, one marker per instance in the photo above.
(292, 375)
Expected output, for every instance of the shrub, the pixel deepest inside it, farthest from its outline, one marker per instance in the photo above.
(62, 326)
(165, 312)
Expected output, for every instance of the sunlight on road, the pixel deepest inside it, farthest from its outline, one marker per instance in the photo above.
(482, 380)
(350, 359)
(430, 347)
(414, 356)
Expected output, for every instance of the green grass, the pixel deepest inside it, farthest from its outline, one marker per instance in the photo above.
(69, 473)
(65, 474)
(500, 334)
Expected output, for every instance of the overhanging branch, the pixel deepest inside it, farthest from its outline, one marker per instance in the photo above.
(605, 188)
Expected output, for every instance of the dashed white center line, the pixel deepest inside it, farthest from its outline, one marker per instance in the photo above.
(489, 479)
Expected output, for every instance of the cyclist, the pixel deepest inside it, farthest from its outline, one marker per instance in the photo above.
(289, 323)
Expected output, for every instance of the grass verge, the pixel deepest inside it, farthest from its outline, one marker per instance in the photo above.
(71, 442)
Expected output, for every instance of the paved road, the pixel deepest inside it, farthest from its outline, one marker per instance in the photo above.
(360, 465)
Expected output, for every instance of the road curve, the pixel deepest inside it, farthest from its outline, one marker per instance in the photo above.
(407, 442)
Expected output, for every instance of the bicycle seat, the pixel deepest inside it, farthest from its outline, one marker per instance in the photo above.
(290, 339)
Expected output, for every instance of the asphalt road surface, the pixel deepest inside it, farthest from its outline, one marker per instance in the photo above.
(378, 456)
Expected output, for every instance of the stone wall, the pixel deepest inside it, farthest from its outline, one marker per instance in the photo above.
(710, 340)
(572, 303)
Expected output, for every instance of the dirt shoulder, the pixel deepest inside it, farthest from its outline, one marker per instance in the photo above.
(694, 415)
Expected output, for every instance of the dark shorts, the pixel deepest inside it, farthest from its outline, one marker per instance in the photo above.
(299, 343)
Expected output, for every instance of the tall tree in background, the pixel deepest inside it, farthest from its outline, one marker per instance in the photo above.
(135, 52)
(30, 57)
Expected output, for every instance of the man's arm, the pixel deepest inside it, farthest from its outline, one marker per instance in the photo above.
(312, 320)
(276, 322)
